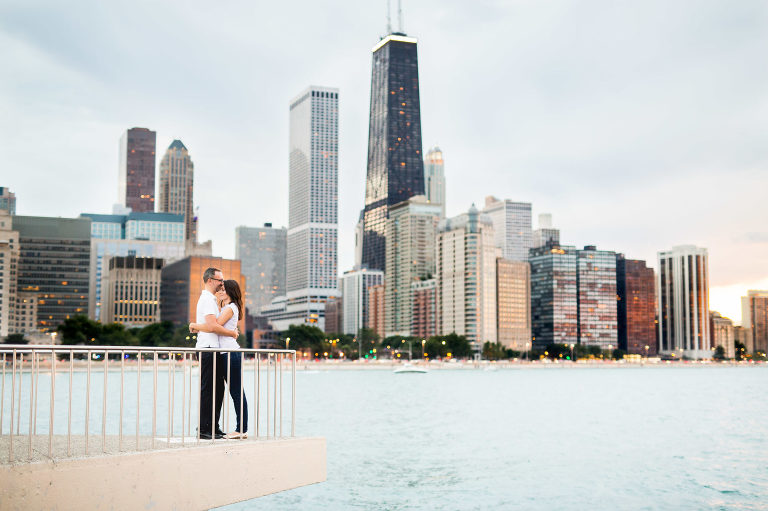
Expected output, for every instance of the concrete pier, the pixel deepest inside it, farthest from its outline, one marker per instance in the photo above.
(197, 476)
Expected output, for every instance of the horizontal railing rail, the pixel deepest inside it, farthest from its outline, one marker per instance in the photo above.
(61, 385)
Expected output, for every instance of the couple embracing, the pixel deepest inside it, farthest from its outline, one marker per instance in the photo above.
(219, 308)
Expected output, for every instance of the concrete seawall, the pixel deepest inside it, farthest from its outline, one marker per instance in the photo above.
(197, 477)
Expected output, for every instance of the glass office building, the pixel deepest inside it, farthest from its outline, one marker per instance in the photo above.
(596, 298)
(262, 253)
(159, 235)
(636, 290)
(136, 174)
(395, 160)
(554, 297)
(54, 263)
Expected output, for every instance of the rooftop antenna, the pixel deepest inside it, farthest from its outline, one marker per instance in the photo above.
(389, 17)
(399, 17)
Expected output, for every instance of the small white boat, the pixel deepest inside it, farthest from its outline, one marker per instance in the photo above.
(410, 368)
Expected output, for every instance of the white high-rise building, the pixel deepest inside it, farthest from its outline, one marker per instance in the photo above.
(466, 278)
(511, 226)
(683, 306)
(311, 266)
(9, 260)
(545, 233)
(434, 178)
(354, 286)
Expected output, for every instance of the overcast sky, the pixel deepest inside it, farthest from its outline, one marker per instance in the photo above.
(639, 125)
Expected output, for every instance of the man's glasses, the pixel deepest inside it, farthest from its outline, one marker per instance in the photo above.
(220, 280)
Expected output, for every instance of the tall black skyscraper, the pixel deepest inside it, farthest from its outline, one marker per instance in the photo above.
(395, 160)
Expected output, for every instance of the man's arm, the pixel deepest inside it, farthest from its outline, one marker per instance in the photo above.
(212, 326)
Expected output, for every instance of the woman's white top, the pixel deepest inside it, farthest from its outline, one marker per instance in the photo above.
(226, 342)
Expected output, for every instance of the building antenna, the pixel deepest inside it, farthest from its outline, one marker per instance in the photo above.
(389, 17)
(399, 17)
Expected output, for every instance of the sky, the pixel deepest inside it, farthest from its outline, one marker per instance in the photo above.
(638, 125)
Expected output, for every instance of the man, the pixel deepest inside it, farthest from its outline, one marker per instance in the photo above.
(207, 310)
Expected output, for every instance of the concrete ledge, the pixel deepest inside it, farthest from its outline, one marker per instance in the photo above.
(197, 477)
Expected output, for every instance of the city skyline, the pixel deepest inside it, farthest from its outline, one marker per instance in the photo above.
(557, 150)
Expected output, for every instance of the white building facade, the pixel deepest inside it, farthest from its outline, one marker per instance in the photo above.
(466, 278)
(683, 304)
(354, 286)
(312, 240)
(512, 227)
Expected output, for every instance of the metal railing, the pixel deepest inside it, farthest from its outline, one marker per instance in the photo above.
(29, 395)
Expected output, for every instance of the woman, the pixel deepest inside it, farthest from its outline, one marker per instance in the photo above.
(231, 310)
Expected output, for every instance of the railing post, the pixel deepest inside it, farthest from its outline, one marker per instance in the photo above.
(138, 394)
(2, 398)
(293, 395)
(21, 379)
(104, 404)
(274, 402)
(32, 385)
(154, 398)
(88, 401)
(69, 408)
(183, 394)
(53, 395)
(13, 402)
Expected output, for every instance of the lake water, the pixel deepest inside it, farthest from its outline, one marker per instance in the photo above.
(548, 438)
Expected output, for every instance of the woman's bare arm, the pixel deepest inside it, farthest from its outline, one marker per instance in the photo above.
(211, 326)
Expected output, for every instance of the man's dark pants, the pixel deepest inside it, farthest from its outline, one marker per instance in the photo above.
(207, 378)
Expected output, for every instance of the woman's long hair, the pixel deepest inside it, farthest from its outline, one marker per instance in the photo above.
(233, 291)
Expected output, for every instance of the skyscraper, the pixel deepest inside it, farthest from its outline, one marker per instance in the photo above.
(754, 317)
(466, 278)
(395, 160)
(723, 333)
(636, 291)
(511, 227)
(262, 253)
(545, 233)
(596, 298)
(131, 291)
(136, 175)
(411, 231)
(513, 302)
(54, 260)
(311, 268)
(355, 285)
(177, 186)
(554, 297)
(683, 306)
(9, 258)
(7, 201)
(434, 178)
(158, 235)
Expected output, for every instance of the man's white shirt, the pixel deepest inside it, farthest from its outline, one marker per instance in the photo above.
(206, 304)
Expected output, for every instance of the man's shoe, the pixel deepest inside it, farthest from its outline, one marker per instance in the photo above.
(207, 436)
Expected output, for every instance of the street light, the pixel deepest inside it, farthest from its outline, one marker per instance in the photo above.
(572, 352)
(287, 342)
(423, 342)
